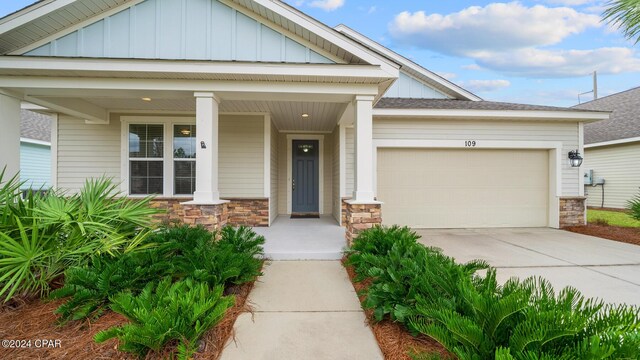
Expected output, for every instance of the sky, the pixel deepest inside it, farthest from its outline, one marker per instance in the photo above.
(529, 51)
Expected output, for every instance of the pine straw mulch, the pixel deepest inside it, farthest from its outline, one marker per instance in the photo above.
(627, 235)
(36, 320)
(396, 343)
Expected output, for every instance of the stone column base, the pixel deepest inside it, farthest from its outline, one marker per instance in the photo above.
(212, 217)
(360, 217)
(343, 211)
(572, 211)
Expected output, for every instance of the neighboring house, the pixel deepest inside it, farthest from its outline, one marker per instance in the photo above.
(35, 150)
(612, 150)
(240, 111)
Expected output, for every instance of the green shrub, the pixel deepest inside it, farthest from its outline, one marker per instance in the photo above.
(90, 287)
(474, 317)
(181, 312)
(43, 235)
(178, 252)
(634, 207)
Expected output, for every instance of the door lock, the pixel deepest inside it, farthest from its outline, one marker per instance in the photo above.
(293, 183)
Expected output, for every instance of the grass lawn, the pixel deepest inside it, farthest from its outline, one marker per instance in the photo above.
(614, 218)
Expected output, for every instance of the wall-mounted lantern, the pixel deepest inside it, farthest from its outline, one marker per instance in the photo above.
(575, 159)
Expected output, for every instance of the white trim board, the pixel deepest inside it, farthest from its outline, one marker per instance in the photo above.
(320, 138)
(612, 142)
(34, 141)
(583, 116)
(54, 150)
(555, 161)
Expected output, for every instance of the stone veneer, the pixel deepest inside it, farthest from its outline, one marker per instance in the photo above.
(572, 211)
(343, 211)
(360, 217)
(237, 212)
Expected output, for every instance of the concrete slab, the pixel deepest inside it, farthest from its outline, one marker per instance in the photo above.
(468, 245)
(589, 282)
(306, 335)
(304, 286)
(571, 247)
(628, 273)
(303, 239)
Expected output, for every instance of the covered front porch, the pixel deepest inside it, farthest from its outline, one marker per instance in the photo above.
(213, 151)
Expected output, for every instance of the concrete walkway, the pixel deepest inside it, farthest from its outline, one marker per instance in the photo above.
(600, 268)
(303, 310)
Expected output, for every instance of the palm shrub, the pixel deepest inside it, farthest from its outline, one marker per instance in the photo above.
(182, 311)
(634, 207)
(41, 236)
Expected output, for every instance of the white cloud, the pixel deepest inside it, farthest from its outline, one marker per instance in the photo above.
(485, 85)
(541, 63)
(372, 9)
(471, 67)
(327, 5)
(448, 75)
(570, 2)
(496, 27)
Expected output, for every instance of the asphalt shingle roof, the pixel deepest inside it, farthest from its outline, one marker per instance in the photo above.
(35, 126)
(624, 121)
(450, 104)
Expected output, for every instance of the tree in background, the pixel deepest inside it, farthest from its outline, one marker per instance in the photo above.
(624, 14)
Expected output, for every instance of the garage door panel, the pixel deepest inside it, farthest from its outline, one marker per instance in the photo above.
(463, 188)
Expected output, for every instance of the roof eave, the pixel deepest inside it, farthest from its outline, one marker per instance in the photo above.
(581, 116)
(613, 142)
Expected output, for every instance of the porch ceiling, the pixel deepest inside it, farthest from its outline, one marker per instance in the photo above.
(286, 115)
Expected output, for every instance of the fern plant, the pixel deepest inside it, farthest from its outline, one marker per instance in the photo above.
(182, 312)
(633, 206)
(90, 287)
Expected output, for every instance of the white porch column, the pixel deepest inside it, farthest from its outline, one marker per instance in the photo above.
(207, 149)
(9, 135)
(363, 124)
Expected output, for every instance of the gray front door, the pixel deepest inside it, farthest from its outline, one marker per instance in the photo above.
(305, 177)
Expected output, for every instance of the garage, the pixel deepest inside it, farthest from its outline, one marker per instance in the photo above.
(463, 188)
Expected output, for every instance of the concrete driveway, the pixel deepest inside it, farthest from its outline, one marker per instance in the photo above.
(598, 267)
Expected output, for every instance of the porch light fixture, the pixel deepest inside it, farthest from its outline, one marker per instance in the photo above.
(305, 115)
(146, 99)
(203, 145)
(575, 159)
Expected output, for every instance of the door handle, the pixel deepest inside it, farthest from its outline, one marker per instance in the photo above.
(293, 185)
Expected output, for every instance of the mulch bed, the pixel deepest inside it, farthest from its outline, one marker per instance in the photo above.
(36, 321)
(618, 233)
(395, 342)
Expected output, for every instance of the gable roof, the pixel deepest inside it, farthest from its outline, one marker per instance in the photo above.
(41, 22)
(35, 126)
(450, 104)
(415, 70)
(624, 122)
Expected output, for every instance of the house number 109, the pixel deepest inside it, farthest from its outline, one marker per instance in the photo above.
(470, 143)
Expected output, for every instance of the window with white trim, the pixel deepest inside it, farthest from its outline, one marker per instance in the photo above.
(159, 157)
(146, 160)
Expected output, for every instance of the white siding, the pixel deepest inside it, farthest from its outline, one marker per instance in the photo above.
(170, 29)
(620, 167)
(337, 206)
(241, 156)
(350, 149)
(409, 87)
(273, 201)
(87, 151)
(567, 133)
(35, 166)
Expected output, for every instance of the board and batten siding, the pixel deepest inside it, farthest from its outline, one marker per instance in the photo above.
(273, 201)
(402, 129)
(93, 150)
(87, 151)
(336, 200)
(180, 30)
(241, 171)
(619, 165)
(35, 166)
(409, 87)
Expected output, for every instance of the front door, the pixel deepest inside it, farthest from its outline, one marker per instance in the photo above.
(305, 177)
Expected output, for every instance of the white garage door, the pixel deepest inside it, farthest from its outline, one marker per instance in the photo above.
(445, 188)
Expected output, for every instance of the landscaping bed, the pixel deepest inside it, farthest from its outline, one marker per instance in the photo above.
(395, 342)
(36, 320)
(409, 290)
(612, 224)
